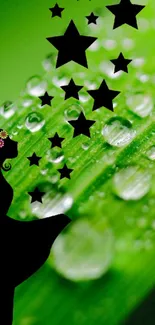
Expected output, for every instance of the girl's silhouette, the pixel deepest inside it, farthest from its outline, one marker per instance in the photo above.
(24, 246)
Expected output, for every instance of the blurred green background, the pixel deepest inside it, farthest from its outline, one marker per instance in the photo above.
(110, 197)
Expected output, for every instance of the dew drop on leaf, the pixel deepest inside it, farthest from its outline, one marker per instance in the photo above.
(34, 121)
(7, 109)
(72, 112)
(140, 104)
(150, 153)
(118, 132)
(53, 202)
(84, 251)
(36, 86)
(132, 183)
(55, 155)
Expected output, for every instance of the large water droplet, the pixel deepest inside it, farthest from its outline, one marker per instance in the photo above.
(53, 202)
(118, 132)
(151, 153)
(7, 109)
(84, 251)
(36, 86)
(140, 104)
(132, 183)
(34, 121)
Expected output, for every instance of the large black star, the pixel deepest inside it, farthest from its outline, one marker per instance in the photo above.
(125, 13)
(56, 11)
(92, 18)
(103, 96)
(34, 159)
(56, 141)
(36, 195)
(71, 46)
(71, 90)
(81, 125)
(46, 99)
(65, 172)
(121, 63)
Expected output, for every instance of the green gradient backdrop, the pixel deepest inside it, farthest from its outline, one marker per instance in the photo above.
(24, 28)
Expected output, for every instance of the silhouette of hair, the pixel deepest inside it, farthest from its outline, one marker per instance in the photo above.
(8, 149)
(24, 245)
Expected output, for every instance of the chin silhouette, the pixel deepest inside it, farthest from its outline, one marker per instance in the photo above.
(24, 245)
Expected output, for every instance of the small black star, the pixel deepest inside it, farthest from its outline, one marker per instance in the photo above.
(121, 63)
(92, 18)
(34, 159)
(56, 140)
(65, 172)
(71, 46)
(46, 99)
(125, 13)
(56, 11)
(71, 90)
(81, 125)
(103, 96)
(36, 195)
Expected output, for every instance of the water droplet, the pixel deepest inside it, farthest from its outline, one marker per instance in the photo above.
(151, 153)
(95, 46)
(140, 104)
(138, 62)
(34, 121)
(85, 145)
(7, 109)
(132, 183)
(53, 202)
(72, 112)
(55, 155)
(109, 44)
(27, 101)
(36, 86)
(43, 171)
(84, 251)
(128, 43)
(48, 62)
(118, 132)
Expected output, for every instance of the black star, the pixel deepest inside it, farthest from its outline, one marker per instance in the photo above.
(92, 18)
(46, 99)
(34, 159)
(125, 13)
(103, 96)
(56, 141)
(121, 63)
(65, 172)
(71, 90)
(36, 195)
(71, 46)
(56, 11)
(81, 125)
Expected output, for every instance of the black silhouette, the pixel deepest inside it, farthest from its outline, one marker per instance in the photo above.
(56, 11)
(92, 18)
(121, 63)
(71, 46)
(81, 125)
(56, 141)
(46, 99)
(24, 245)
(103, 96)
(65, 172)
(34, 159)
(125, 13)
(71, 90)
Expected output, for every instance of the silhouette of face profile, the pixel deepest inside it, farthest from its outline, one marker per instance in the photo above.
(8, 147)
